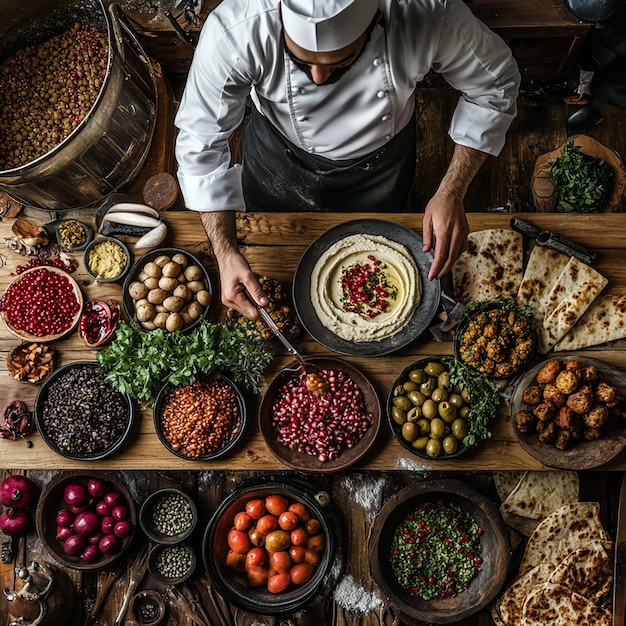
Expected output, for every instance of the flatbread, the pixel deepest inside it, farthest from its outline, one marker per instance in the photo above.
(523, 525)
(511, 603)
(558, 605)
(575, 289)
(604, 320)
(540, 493)
(505, 482)
(491, 266)
(567, 529)
(587, 571)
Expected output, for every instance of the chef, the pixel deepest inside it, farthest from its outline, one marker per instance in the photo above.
(332, 90)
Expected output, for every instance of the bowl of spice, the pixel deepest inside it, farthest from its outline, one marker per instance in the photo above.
(71, 234)
(107, 259)
(31, 362)
(80, 416)
(201, 421)
(320, 432)
(148, 607)
(168, 516)
(439, 551)
(172, 564)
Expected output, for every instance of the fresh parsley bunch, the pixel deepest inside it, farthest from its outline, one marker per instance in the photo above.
(582, 182)
(140, 363)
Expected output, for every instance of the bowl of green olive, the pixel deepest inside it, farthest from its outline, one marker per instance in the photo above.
(427, 412)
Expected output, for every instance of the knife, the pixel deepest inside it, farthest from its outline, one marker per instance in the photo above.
(619, 571)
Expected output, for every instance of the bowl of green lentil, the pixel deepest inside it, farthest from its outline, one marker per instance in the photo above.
(439, 551)
(80, 416)
(107, 259)
(168, 516)
(172, 564)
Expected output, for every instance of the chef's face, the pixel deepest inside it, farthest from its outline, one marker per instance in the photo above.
(325, 68)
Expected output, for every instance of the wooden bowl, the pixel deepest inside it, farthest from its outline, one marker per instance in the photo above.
(51, 501)
(307, 462)
(47, 338)
(495, 551)
(31, 362)
(542, 188)
(232, 585)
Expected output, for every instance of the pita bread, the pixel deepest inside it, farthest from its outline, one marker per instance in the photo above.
(567, 529)
(558, 605)
(575, 289)
(538, 494)
(523, 525)
(491, 266)
(505, 482)
(543, 268)
(587, 571)
(604, 320)
(511, 603)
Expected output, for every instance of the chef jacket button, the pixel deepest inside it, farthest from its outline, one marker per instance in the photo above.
(376, 62)
(384, 118)
(381, 94)
(387, 137)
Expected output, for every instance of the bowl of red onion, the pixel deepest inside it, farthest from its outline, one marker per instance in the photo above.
(86, 521)
(320, 432)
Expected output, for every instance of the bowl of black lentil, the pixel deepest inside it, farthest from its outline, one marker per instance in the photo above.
(80, 416)
(172, 564)
(439, 551)
(201, 421)
(168, 516)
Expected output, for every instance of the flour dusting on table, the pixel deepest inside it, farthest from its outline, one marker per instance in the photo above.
(365, 491)
(352, 596)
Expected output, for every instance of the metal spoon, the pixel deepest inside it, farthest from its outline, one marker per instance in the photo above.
(316, 385)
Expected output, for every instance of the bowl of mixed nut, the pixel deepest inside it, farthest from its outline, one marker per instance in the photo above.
(80, 416)
(31, 362)
(201, 421)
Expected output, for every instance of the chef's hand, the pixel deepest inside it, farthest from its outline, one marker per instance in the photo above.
(236, 278)
(445, 230)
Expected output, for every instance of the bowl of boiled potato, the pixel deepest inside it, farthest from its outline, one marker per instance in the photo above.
(167, 288)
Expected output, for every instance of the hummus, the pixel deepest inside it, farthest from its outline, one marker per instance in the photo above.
(365, 288)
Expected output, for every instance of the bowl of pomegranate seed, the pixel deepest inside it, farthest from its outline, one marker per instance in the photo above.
(439, 551)
(322, 430)
(42, 303)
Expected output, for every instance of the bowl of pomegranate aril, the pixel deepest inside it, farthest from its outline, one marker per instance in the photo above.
(42, 304)
(86, 521)
(320, 432)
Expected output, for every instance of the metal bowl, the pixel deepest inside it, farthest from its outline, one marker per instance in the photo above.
(227, 445)
(311, 462)
(233, 585)
(51, 501)
(494, 542)
(137, 268)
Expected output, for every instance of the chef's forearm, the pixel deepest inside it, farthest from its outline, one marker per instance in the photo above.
(463, 167)
(222, 233)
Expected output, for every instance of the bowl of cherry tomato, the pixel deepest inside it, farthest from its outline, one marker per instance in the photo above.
(270, 547)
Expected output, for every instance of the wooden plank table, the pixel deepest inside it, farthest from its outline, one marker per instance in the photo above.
(274, 243)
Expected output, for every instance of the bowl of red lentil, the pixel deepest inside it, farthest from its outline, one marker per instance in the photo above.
(42, 304)
(320, 434)
(201, 421)
(439, 551)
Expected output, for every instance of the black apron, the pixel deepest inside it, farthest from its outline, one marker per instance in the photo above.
(279, 176)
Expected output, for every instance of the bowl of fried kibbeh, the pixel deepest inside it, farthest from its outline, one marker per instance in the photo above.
(569, 412)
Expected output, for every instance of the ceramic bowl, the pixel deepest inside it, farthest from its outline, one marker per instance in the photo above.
(313, 462)
(172, 564)
(92, 248)
(171, 507)
(51, 501)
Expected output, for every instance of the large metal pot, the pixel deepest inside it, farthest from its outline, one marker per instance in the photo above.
(109, 146)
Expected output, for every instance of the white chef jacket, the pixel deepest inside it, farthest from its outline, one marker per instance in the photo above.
(240, 52)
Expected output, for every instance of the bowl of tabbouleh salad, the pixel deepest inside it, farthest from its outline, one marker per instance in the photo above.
(439, 551)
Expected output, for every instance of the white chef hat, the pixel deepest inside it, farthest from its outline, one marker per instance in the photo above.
(326, 25)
